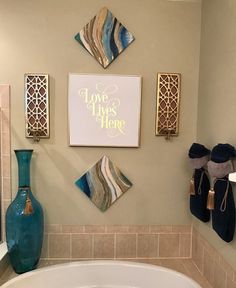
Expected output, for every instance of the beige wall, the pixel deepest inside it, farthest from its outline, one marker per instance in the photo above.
(217, 90)
(37, 36)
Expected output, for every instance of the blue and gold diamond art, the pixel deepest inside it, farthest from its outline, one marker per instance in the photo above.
(104, 37)
(104, 183)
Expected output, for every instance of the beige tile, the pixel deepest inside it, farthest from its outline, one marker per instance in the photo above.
(138, 229)
(147, 245)
(169, 245)
(3, 230)
(185, 245)
(191, 268)
(182, 228)
(5, 205)
(44, 253)
(197, 252)
(174, 264)
(94, 228)
(104, 245)
(193, 272)
(219, 277)
(5, 97)
(5, 145)
(160, 229)
(156, 262)
(72, 228)
(59, 246)
(125, 245)
(4, 264)
(230, 283)
(53, 228)
(227, 268)
(6, 188)
(6, 166)
(5, 120)
(116, 228)
(208, 267)
(202, 282)
(209, 248)
(217, 258)
(8, 274)
(194, 231)
(46, 263)
(82, 245)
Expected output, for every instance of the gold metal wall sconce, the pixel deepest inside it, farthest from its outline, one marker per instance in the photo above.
(168, 100)
(37, 106)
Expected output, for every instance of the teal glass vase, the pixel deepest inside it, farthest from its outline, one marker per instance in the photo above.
(24, 221)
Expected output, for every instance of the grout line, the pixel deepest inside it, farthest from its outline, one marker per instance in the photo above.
(115, 241)
(191, 242)
(48, 245)
(113, 251)
(179, 243)
(70, 246)
(129, 258)
(203, 264)
(159, 236)
(93, 236)
(157, 246)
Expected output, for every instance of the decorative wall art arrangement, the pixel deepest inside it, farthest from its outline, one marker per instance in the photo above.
(104, 110)
(37, 106)
(104, 183)
(168, 99)
(104, 37)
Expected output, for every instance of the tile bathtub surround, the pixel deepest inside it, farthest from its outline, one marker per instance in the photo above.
(75, 242)
(211, 263)
(185, 266)
(145, 243)
(5, 158)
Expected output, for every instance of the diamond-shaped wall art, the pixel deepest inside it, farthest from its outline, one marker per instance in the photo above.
(104, 183)
(104, 37)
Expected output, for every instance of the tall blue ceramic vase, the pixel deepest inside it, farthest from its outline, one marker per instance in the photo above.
(24, 221)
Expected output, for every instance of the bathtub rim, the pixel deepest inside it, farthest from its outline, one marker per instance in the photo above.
(100, 262)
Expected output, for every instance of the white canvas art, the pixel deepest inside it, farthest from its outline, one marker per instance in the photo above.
(104, 110)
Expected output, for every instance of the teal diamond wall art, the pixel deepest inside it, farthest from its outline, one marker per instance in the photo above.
(104, 37)
(104, 183)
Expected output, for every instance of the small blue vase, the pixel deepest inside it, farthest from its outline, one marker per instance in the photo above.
(24, 221)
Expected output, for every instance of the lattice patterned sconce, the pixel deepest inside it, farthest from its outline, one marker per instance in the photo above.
(168, 99)
(37, 106)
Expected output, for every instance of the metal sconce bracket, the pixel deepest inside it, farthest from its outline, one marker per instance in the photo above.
(37, 106)
(167, 109)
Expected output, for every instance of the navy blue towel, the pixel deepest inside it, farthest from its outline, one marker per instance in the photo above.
(198, 202)
(223, 215)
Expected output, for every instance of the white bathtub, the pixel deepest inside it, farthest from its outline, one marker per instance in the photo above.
(102, 274)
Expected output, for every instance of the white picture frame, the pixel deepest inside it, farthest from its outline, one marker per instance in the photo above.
(104, 110)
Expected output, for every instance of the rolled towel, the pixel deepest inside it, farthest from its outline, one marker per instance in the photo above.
(199, 184)
(220, 198)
